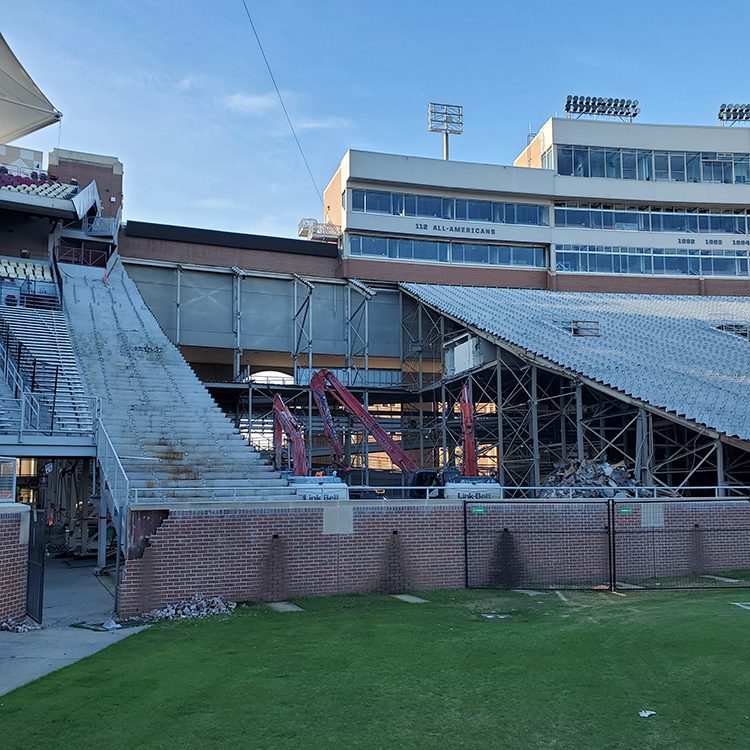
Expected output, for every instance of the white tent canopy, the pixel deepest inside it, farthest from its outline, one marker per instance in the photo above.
(23, 107)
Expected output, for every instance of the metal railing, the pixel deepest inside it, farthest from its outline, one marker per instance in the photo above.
(384, 493)
(81, 256)
(114, 473)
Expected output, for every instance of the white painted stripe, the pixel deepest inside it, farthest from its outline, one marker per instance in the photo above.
(742, 605)
(722, 579)
(562, 597)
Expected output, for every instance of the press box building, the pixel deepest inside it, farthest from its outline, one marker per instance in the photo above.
(588, 205)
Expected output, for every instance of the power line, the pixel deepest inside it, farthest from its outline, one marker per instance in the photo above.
(281, 100)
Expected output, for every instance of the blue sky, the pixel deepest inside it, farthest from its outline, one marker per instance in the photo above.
(178, 90)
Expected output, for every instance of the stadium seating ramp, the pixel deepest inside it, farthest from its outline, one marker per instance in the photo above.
(173, 440)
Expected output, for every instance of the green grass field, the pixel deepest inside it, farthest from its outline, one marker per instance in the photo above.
(374, 672)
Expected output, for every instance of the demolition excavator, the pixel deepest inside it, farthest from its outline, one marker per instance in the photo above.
(463, 484)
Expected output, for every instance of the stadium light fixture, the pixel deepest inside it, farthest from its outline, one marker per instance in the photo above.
(447, 119)
(598, 106)
(731, 113)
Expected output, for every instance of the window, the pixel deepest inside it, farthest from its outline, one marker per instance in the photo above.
(661, 165)
(677, 166)
(564, 160)
(581, 161)
(358, 200)
(429, 206)
(629, 171)
(596, 160)
(629, 164)
(377, 202)
(479, 211)
(652, 261)
(645, 165)
(417, 249)
(613, 165)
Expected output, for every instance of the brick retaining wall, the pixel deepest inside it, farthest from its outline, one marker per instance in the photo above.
(265, 553)
(252, 554)
(14, 552)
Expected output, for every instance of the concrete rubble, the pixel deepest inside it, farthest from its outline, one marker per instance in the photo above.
(592, 479)
(187, 609)
(19, 625)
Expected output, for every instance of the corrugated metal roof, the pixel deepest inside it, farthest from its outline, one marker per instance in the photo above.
(663, 350)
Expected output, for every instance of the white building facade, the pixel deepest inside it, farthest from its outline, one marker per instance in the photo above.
(585, 199)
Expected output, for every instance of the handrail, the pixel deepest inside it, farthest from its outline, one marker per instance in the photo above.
(113, 471)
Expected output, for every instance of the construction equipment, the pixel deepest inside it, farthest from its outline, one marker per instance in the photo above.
(320, 486)
(469, 467)
(324, 381)
(284, 422)
(469, 485)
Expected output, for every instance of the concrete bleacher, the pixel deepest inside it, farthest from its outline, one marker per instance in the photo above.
(171, 437)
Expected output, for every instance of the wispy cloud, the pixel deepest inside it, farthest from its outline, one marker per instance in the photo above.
(332, 122)
(250, 104)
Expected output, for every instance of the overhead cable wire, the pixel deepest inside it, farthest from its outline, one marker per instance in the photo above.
(281, 100)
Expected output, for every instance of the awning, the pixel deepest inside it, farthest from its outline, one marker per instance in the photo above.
(23, 107)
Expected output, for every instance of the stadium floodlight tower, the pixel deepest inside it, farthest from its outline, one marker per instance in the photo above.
(598, 106)
(447, 119)
(731, 113)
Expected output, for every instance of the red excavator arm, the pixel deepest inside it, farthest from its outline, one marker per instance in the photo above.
(283, 420)
(469, 468)
(325, 381)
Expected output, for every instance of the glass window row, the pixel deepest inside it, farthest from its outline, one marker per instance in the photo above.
(405, 248)
(435, 207)
(651, 261)
(649, 220)
(635, 164)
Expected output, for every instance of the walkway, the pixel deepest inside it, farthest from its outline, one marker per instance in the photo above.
(71, 595)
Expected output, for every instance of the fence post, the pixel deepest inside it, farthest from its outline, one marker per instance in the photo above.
(466, 550)
(611, 545)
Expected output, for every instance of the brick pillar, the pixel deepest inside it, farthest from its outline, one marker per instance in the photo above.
(14, 559)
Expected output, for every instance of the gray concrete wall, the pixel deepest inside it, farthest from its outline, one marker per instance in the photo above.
(267, 306)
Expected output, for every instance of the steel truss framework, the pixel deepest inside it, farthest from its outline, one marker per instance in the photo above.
(529, 415)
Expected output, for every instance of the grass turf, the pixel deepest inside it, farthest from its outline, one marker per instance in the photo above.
(374, 672)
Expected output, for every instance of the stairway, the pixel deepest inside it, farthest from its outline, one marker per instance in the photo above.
(56, 379)
(167, 430)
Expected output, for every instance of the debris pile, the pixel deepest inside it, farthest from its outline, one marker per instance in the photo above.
(187, 609)
(19, 625)
(592, 479)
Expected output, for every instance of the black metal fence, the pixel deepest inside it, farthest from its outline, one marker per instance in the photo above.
(607, 544)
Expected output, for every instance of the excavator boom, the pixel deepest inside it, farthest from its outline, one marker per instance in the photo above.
(285, 423)
(324, 381)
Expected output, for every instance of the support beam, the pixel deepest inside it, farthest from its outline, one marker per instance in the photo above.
(579, 422)
(534, 428)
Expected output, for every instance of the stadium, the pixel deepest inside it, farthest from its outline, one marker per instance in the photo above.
(410, 395)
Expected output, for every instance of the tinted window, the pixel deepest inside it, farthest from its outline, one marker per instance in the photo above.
(358, 200)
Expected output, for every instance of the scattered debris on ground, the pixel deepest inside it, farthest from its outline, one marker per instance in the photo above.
(599, 478)
(495, 616)
(187, 609)
(19, 625)
(645, 713)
